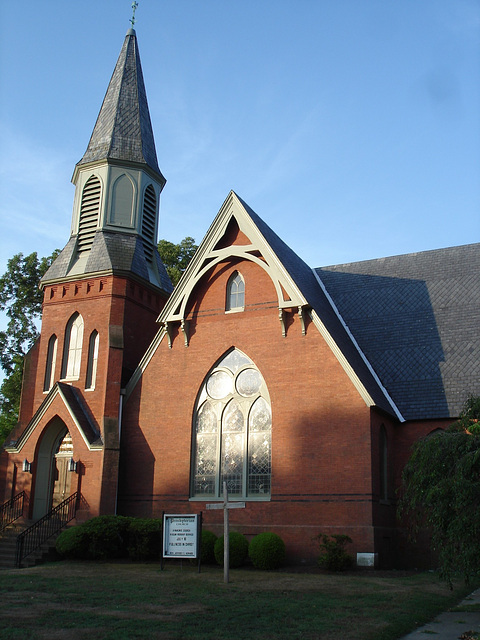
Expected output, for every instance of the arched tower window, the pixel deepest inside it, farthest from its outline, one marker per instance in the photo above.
(149, 215)
(235, 292)
(72, 353)
(89, 212)
(121, 212)
(232, 429)
(50, 363)
(92, 360)
(383, 464)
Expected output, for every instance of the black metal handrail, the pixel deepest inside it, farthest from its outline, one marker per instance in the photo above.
(11, 510)
(32, 538)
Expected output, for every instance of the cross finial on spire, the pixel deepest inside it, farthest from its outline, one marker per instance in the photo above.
(134, 8)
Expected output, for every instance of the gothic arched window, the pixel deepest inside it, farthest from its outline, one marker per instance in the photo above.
(235, 292)
(232, 429)
(92, 360)
(72, 353)
(122, 206)
(50, 363)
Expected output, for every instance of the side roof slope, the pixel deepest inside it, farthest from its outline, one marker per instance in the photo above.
(416, 317)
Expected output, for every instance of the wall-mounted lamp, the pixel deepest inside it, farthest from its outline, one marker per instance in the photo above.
(27, 466)
(72, 465)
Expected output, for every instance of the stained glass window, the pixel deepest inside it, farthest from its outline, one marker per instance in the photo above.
(232, 431)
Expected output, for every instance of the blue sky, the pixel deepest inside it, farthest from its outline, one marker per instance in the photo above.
(352, 127)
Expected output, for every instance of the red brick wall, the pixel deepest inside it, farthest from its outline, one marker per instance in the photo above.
(321, 438)
(124, 314)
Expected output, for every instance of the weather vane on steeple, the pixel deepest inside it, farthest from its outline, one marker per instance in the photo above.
(134, 8)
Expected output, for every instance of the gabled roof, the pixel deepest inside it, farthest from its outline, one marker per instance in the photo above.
(296, 284)
(417, 319)
(77, 409)
(123, 130)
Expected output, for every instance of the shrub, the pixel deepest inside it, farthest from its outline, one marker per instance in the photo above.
(333, 555)
(267, 551)
(238, 547)
(144, 539)
(208, 546)
(107, 537)
(72, 543)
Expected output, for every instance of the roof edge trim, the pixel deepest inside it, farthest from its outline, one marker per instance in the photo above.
(353, 375)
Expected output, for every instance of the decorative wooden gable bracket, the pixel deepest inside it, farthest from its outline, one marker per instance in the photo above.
(302, 311)
(301, 315)
(211, 253)
(184, 327)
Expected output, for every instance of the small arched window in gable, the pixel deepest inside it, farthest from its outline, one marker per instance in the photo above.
(50, 363)
(72, 353)
(235, 293)
(92, 360)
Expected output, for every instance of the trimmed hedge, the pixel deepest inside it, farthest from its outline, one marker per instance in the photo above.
(238, 549)
(267, 551)
(144, 539)
(208, 547)
(112, 537)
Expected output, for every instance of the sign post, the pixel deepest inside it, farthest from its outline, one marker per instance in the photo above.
(226, 505)
(182, 536)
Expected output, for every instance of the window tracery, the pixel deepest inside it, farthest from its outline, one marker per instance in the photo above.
(232, 431)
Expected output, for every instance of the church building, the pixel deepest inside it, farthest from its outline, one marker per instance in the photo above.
(303, 389)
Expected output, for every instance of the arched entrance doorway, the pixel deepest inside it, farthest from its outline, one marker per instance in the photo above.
(52, 477)
(61, 473)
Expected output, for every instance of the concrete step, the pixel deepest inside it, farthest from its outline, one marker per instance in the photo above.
(8, 548)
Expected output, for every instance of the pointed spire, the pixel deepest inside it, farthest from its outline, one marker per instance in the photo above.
(123, 130)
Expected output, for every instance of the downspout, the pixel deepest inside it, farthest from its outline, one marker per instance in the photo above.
(120, 414)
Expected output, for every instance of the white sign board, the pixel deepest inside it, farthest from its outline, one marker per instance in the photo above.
(180, 536)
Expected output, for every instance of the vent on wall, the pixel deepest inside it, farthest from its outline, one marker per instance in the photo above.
(89, 211)
(148, 221)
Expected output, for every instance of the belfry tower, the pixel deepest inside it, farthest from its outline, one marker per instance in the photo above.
(102, 296)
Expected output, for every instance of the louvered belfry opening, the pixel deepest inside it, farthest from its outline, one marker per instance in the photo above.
(148, 221)
(89, 211)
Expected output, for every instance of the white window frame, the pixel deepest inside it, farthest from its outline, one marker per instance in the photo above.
(235, 293)
(72, 353)
(92, 362)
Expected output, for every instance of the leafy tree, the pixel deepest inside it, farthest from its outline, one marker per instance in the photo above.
(441, 491)
(176, 257)
(21, 300)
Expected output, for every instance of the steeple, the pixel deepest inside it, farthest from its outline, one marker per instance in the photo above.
(123, 131)
(117, 187)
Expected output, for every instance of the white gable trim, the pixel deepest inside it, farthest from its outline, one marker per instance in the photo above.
(206, 257)
(37, 418)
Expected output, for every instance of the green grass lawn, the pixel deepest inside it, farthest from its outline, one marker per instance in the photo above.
(103, 601)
